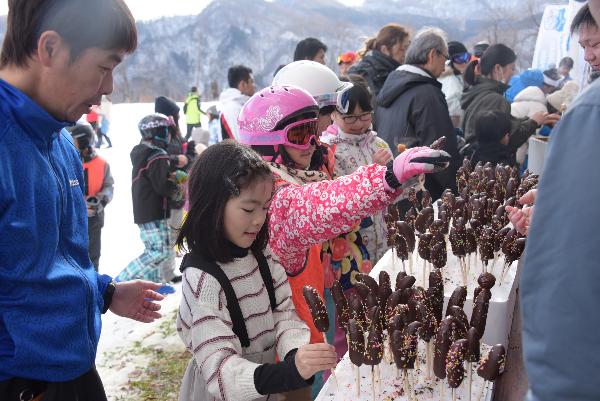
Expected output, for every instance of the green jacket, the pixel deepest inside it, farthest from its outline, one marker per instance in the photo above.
(192, 110)
(488, 94)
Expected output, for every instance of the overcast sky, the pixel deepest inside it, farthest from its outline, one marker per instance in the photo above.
(151, 9)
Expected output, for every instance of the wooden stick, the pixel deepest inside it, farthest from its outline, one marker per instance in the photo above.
(373, 381)
(417, 364)
(412, 385)
(332, 369)
(483, 388)
(469, 379)
(393, 260)
(378, 380)
(442, 390)
(405, 383)
(427, 360)
(357, 372)
(424, 269)
(403, 266)
(453, 394)
(410, 263)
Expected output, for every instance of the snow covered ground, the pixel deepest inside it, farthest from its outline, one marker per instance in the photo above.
(120, 244)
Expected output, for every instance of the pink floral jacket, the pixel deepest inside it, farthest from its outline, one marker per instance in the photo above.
(308, 213)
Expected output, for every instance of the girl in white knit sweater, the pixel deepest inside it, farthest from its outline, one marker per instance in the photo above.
(236, 315)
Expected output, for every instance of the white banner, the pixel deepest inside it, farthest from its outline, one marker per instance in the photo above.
(554, 41)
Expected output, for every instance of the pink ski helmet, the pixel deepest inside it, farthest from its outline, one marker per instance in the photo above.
(269, 107)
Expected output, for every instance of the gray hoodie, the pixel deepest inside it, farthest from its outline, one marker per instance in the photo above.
(560, 283)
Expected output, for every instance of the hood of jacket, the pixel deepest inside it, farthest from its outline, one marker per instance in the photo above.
(531, 94)
(374, 61)
(402, 80)
(482, 86)
(233, 95)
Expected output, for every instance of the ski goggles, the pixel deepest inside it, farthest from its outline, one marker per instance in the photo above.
(301, 134)
(461, 58)
(339, 99)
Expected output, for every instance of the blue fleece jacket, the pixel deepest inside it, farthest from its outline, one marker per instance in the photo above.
(50, 295)
(560, 280)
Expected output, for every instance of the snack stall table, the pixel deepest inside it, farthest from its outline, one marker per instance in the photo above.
(500, 316)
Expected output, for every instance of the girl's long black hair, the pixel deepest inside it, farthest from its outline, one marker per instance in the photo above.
(220, 173)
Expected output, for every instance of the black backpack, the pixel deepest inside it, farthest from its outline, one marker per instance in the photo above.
(209, 266)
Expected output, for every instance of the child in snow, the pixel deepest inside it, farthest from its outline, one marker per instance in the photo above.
(98, 186)
(356, 145)
(308, 208)
(152, 184)
(236, 315)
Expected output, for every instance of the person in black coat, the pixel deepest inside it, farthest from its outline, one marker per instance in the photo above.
(492, 129)
(411, 107)
(382, 55)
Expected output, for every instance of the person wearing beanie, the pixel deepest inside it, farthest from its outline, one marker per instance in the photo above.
(98, 189)
(181, 156)
(480, 48)
(562, 98)
(345, 61)
(452, 80)
(492, 129)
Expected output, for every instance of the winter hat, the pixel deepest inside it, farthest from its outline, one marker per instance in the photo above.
(212, 110)
(348, 57)
(564, 95)
(166, 106)
(552, 78)
(194, 89)
(480, 48)
(455, 47)
(491, 126)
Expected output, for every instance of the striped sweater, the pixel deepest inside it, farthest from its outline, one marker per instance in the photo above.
(221, 369)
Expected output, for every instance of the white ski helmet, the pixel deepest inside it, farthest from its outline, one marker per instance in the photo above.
(318, 80)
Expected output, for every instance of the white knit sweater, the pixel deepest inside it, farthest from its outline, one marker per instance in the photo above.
(220, 368)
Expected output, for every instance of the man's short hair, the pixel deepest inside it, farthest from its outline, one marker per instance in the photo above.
(491, 126)
(82, 24)
(237, 74)
(583, 18)
(308, 48)
(567, 62)
(424, 41)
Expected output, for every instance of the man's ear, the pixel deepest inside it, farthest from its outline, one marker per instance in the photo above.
(430, 56)
(48, 46)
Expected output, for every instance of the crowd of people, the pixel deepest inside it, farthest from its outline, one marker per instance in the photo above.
(286, 187)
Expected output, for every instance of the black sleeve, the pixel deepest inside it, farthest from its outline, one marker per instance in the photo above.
(158, 173)
(274, 378)
(521, 130)
(432, 121)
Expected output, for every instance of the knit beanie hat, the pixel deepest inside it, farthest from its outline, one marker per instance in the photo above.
(455, 47)
(166, 106)
(564, 95)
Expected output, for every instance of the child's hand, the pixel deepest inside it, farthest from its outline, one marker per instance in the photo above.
(313, 358)
(382, 157)
(521, 218)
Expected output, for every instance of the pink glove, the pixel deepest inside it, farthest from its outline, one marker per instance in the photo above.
(420, 160)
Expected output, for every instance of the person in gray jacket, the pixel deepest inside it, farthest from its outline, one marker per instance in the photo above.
(560, 282)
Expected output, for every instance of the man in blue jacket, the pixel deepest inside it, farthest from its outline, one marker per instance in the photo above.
(57, 61)
(560, 282)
